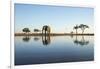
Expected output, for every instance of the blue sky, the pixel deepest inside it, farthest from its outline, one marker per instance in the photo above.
(61, 19)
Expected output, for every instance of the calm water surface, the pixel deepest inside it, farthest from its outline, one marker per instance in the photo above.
(53, 49)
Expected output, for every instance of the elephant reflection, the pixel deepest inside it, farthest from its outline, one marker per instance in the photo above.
(46, 35)
(26, 38)
(81, 42)
(46, 40)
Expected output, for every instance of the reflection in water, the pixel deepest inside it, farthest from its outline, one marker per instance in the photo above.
(46, 40)
(26, 38)
(71, 36)
(81, 42)
(36, 38)
(60, 49)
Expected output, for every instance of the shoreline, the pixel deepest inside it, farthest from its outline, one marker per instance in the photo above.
(53, 34)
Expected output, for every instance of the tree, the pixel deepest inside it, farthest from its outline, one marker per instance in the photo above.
(83, 27)
(26, 30)
(36, 30)
(76, 27)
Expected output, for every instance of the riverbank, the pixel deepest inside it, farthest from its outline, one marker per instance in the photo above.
(52, 34)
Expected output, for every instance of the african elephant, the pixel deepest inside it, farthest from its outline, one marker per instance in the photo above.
(46, 30)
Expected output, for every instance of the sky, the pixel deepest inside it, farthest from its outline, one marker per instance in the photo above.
(61, 19)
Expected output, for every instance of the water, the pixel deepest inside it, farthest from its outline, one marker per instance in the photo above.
(53, 49)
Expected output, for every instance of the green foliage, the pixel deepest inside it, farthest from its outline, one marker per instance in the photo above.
(83, 27)
(26, 30)
(36, 30)
(76, 27)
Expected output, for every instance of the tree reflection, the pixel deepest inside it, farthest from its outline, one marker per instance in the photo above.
(46, 40)
(81, 42)
(26, 38)
(36, 38)
(76, 41)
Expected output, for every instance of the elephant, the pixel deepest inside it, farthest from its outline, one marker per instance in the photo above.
(46, 30)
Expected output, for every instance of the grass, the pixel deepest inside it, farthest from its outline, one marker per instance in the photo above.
(52, 34)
